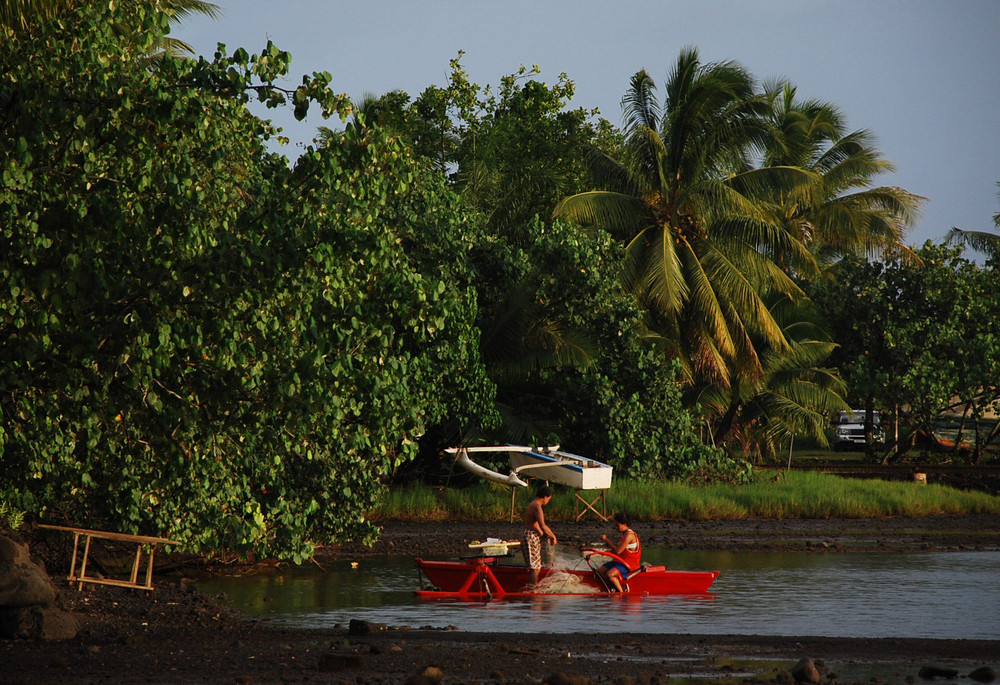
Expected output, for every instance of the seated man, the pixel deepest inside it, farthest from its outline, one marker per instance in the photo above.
(628, 548)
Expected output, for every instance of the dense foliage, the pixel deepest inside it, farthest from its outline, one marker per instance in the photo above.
(197, 341)
(561, 338)
(202, 340)
(918, 341)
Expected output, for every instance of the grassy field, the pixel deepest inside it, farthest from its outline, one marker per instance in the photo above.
(793, 494)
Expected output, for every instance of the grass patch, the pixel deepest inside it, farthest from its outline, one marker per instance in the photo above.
(799, 494)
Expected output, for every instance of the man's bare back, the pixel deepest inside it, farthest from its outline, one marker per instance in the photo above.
(534, 518)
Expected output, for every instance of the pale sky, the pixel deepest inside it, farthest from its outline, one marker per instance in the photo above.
(922, 75)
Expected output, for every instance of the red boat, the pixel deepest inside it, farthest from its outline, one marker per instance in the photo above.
(485, 577)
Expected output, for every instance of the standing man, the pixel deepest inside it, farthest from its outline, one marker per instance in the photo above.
(535, 529)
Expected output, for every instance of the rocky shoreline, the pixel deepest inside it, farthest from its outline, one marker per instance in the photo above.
(178, 635)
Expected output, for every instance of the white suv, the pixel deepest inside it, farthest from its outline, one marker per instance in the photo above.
(849, 429)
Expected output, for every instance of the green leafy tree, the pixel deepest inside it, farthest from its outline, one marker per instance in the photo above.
(25, 15)
(195, 340)
(511, 153)
(559, 335)
(525, 151)
(916, 340)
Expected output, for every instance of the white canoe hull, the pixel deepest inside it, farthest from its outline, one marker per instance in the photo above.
(564, 468)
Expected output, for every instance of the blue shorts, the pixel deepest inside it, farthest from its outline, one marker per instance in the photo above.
(622, 568)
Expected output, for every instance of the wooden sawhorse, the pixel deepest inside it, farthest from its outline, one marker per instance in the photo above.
(589, 505)
(139, 540)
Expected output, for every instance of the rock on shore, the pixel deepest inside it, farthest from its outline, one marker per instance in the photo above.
(29, 601)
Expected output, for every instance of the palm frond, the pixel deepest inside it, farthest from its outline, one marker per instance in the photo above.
(741, 287)
(653, 271)
(640, 107)
(764, 182)
(987, 243)
(616, 213)
(610, 174)
(184, 9)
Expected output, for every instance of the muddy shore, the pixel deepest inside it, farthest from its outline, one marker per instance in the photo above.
(178, 635)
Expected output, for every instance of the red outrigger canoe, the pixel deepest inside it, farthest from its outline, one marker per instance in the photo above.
(485, 578)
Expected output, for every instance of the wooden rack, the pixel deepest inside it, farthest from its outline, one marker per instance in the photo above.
(139, 540)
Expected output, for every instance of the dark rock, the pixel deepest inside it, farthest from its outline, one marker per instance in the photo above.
(359, 627)
(29, 602)
(805, 671)
(23, 583)
(339, 662)
(566, 679)
(983, 674)
(932, 672)
(38, 623)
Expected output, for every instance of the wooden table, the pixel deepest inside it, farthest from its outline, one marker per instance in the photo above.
(139, 540)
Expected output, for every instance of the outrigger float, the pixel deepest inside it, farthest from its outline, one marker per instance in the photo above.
(485, 577)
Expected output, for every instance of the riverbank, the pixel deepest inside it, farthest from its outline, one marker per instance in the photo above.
(178, 635)
(904, 534)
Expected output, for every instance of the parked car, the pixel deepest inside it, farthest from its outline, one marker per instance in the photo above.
(849, 429)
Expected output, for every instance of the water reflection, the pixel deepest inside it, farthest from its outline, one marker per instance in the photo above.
(944, 595)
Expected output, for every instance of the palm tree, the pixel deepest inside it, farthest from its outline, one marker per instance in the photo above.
(793, 397)
(842, 213)
(685, 202)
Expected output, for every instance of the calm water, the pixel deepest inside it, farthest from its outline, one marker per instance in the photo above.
(939, 595)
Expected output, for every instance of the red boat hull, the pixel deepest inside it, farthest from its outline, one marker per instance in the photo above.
(485, 577)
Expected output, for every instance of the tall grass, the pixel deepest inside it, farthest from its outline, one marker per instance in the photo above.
(796, 494)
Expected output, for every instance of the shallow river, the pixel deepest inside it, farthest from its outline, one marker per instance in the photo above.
(938, 595)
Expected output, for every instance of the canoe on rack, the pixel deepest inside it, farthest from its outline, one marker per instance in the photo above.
(544, 463)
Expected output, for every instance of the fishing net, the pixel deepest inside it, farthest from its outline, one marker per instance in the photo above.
(560, 582)
(566, 558)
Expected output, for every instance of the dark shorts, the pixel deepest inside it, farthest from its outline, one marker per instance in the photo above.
(622, 568)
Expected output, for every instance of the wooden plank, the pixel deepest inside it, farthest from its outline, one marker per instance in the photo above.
(138, 540)
(107, 535)
(114, 581)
